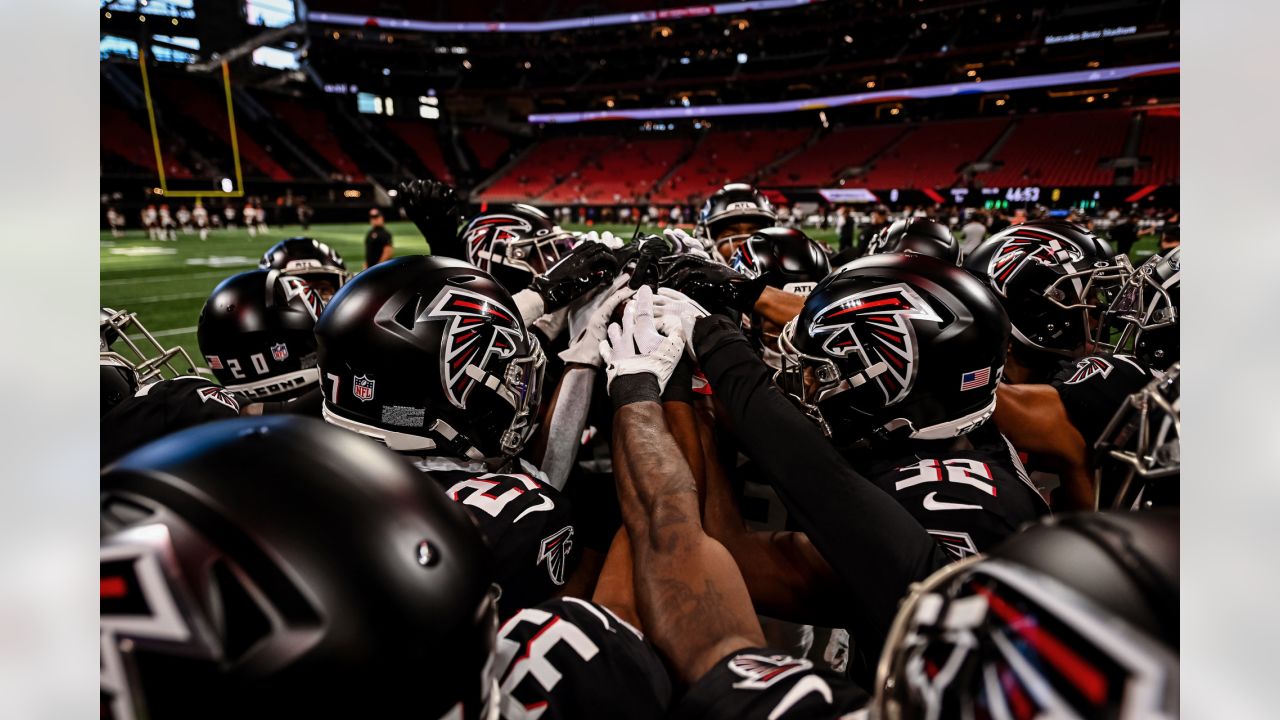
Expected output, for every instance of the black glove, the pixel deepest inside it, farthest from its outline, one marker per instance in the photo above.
(713, 285)
(435, 209)
(640, 257)
(586, 267)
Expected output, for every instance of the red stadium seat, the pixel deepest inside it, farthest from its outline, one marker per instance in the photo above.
(421, 138)
(933, 154)
(1060, 149)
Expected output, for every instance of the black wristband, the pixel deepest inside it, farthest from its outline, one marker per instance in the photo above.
(634, 388)
(680, 386)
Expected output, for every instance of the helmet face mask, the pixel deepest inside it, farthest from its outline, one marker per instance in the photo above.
(733, 204)
(1054, 278)
(148, 360)
(1144, 439)
(1142, 318)
(988, 634)
(515, 244)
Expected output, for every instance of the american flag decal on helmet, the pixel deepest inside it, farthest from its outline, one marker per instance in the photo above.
(975, 379)
(875, 324)
(478, 329)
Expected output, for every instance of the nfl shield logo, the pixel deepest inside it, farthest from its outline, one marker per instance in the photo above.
(363, 388)
(280, 352)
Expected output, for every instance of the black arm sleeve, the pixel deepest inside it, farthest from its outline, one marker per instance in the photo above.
(871, 542)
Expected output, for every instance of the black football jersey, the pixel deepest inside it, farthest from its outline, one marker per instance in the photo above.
(526, 522)
(161, 408)
(968, 499)
(1094, 387)
(569, 658)
(760, 684)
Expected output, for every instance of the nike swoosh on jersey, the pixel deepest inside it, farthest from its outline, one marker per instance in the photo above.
(545, 505)
(931, 504)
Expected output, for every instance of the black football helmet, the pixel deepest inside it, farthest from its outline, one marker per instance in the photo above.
(1074, 617)
(1143, 441)
(917, 235)
(895, 345)
(1054, 279)
(1143, 319)
(429, 355)
(125, 365)
(276, 566)
(255, 332)
(515, 243)
(788, 260)
(317, 263)
(733, 204)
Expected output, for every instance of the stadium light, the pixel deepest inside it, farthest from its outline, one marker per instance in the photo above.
(227, 185)
(742, 58)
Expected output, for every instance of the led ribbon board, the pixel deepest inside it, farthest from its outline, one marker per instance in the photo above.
(425, 26)
(1028, 82)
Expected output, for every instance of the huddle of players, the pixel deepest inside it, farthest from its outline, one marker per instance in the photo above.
(279, 564)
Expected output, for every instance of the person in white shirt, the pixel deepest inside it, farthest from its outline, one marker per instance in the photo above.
(201, 217)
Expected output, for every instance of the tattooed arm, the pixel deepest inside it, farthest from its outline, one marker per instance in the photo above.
(690, 595)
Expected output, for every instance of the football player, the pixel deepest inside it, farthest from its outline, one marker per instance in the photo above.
(317, 263)
(916, 235)
(729, 217)
(895, 359)
(256, 334)
(789, 261)
(433, 358)
(147, 393)
(980, 636)
(1059, 423)
(1054, 279)
(201, 216)
(247, 562)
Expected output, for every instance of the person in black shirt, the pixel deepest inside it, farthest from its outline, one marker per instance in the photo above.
(377, 244)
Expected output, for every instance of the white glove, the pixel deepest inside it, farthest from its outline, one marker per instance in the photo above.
(684, 243)
(606, 238)
(530, 305)
(676, 310)
(552, 324)
(638, 347)
(585, 348)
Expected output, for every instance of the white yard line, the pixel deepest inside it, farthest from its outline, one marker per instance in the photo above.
(162, 298)
(166, 333)
(162, 278)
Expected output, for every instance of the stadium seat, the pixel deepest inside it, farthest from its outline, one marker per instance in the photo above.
(1062, 149)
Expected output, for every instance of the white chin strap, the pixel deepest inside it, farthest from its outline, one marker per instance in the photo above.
(398, 441)
(960, 426)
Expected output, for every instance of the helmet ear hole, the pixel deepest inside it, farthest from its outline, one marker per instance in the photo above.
(408, 314)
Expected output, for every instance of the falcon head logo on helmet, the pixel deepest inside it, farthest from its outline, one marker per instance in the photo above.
(874, 324)
(478, 329)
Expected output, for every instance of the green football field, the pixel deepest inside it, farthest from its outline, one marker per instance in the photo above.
(166, 283)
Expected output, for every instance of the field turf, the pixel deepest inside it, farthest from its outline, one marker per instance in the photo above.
(166, 283)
